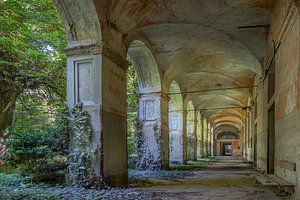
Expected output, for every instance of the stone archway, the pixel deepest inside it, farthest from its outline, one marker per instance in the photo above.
(176, 133)
(152, 145)
(227, 134)
(191, 132)
(96, 81)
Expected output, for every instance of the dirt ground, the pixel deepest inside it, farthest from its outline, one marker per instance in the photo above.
(225, 178)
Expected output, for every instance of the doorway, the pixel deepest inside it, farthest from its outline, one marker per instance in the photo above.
(271, 139)
(227, 149)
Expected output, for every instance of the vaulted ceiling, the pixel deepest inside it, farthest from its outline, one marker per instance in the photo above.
(203, 45)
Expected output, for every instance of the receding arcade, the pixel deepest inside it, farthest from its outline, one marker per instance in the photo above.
(206, 75)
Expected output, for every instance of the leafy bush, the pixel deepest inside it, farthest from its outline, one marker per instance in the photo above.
(38, 141)
(32, 83)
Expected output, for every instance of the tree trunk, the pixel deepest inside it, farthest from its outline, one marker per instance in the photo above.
(8, 100)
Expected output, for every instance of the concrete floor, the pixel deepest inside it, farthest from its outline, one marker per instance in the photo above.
(227, 178)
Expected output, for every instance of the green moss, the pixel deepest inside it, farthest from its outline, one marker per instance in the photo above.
(8, 169)
(186, 167)
(208, 182)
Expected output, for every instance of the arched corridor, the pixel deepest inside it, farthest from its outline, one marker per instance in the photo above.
(150, 149)
(216, 78)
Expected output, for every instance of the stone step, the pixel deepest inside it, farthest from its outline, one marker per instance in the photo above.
(275, 181)
(265, 180)
(280, 181)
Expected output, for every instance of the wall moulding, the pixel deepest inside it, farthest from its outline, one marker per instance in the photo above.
(98, 48)
(286, 165)
(84, 77)
(155, 94)
(84, 71)
(86, 49)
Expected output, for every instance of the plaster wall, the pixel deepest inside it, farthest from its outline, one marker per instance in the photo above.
(287, 139)
(285, 33)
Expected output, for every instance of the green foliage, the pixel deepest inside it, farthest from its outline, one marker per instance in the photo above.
(32, 43)
(132, 115)
(32, 83)
(38, 140)
(187, 167)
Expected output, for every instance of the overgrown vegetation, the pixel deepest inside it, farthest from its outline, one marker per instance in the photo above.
(80, 163)
(132, 116)
(32, 58)
(13, 186)
(38, 140)
(33, 123)
(33, 115)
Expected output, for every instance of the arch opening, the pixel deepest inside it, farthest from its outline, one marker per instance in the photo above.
(175, 125)
(143, 111)
(227, 140)
(191, 134)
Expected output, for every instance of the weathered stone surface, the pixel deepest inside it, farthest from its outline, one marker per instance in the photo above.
(216, 54)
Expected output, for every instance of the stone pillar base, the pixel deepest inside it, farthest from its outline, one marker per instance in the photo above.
(118, 180)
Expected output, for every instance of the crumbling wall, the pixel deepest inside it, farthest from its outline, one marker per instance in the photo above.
(283, 45)
(149, 147)
(287, 139)
(82, 156)
(149, 134)
(177, 126)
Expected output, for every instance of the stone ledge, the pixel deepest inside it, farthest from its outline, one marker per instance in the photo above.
(276, 182)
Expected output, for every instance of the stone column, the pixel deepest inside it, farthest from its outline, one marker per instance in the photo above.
(153, 133)
(200, 137)
(176, 137)
(205, 152)
(212, 142)
(164, 107)
(209, 140)
(184, 137)
(191, 136)
(195, 139)
(249, 152)
(96, 79)
(242, 139)
(246, 138)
